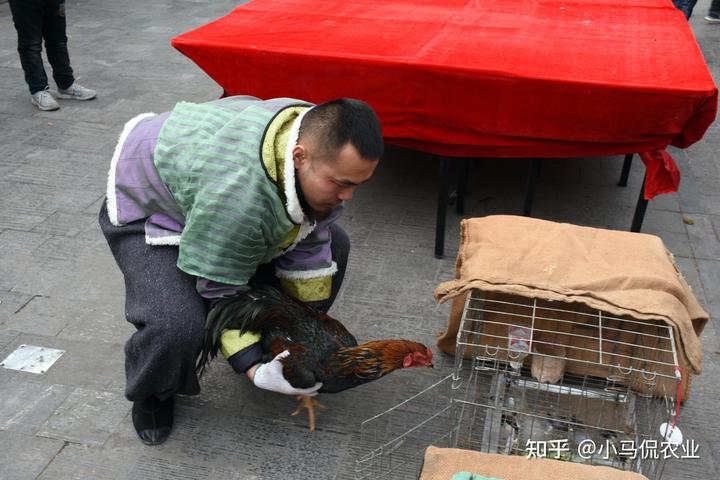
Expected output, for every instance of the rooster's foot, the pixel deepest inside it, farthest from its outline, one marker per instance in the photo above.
(309, 403)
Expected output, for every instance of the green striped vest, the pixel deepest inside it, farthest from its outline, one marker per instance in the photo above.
(209, 156)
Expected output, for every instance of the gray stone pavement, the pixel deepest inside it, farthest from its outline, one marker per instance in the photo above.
(59, 286)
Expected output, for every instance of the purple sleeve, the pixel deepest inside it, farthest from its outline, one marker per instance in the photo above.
(312, 253)
(214, 291)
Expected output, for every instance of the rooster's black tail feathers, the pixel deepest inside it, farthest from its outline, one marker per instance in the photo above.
(245, 312)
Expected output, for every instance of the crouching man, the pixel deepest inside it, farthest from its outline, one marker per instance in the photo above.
(211, 199)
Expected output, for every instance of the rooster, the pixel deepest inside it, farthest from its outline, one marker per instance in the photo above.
(321, 349)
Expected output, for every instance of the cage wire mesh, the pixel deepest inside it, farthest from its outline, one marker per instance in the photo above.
(534, 373)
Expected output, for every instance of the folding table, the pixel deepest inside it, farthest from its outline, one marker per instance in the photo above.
(480, 78)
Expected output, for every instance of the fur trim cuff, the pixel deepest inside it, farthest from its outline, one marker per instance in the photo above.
(306, 274)
(170, 240)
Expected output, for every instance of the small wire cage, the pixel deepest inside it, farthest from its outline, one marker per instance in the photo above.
(392, 443)
(534, 377)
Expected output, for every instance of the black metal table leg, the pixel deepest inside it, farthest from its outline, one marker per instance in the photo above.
(640, 209)
(530, 194)
(442, 207)
(462, 185)
(627, 163)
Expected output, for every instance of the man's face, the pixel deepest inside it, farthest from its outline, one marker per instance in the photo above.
(326, 182)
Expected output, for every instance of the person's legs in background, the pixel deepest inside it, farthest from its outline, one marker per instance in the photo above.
(685, 6)
(28, 17)
(53, 31)
(34, 21)
(713, 15)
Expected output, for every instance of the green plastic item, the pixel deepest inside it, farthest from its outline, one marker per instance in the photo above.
(471, 476)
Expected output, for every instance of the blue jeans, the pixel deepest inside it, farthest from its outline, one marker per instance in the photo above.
(35, 21)
(685, 6)
(714, 8)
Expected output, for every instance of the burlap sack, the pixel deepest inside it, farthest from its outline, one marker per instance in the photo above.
(443, 463)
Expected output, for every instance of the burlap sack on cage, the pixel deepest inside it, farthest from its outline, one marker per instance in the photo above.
(627, 275)
(443, 463)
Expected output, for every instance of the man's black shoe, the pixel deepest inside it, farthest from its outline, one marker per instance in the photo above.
(153, 419)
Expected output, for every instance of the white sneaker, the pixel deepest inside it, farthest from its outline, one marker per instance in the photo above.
(44, 100)
(712, 18)
(75, 92)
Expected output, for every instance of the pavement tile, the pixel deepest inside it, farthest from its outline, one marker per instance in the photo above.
(24, 457)
(38, 278)
(561, 170)
(86, 416)
(163, 468)
(96, 320)
(408, 267)
(712, 204)
(21, 217)
(129, 461)
(49, 166)
(677, 243)
(602, 171)
(690, 271)
(94, 275)
(357, 230)
(7, 337)
(82, 462)
(668, 202)
(709, 271)
(92, 365)
(691, 469)
(25, 403)
(704, 243)
(691, 193)
(208, 438)
(67, 223)
(24, 195)
(662, 221)
(73, 197)
(18, 245)
(400, 238)
(38, 318)
(11, 302)
(367, 258)
(66, 249)
(303, 454)
(72, 318)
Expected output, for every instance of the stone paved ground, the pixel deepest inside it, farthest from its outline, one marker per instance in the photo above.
(59, 286)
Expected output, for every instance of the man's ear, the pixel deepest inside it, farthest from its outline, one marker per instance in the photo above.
(299, 155)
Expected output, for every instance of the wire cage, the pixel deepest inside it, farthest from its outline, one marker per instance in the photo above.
(393, 442)
(538, 378)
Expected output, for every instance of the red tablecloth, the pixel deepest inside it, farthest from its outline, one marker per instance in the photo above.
(511, 78)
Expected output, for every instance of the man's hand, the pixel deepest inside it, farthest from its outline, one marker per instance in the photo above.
(269, 377)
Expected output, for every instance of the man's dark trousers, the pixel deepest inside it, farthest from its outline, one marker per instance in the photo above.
(36, 20)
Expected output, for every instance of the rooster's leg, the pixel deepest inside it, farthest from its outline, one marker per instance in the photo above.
(309, 403)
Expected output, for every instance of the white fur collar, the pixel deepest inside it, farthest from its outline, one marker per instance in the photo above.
(293, 206)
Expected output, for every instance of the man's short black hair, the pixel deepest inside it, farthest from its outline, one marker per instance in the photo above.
(331, 125)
